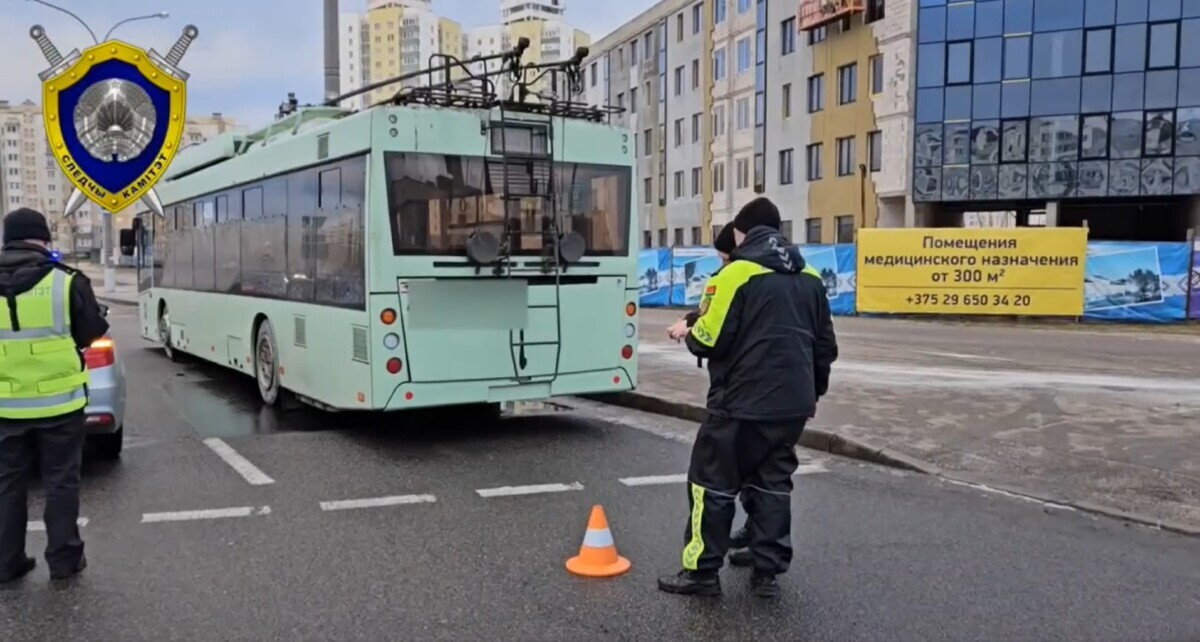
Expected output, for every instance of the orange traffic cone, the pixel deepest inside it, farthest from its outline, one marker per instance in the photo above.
(598, 555)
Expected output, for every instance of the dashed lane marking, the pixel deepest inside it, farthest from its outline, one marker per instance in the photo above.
(196, 515)
(377, 502)
(509, 491)
(240, 464)
(40, 526)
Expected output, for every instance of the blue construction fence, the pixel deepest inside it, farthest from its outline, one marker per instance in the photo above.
(1130, 282)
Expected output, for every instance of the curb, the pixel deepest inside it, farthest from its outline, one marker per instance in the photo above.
(825, 441)
(115, 301)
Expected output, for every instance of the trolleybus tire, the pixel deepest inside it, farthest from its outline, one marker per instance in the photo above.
(266, 363)
(164, 334)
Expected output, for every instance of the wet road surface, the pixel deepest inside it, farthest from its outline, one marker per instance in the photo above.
(226, 522)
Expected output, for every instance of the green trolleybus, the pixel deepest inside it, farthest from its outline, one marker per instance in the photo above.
(445, 247)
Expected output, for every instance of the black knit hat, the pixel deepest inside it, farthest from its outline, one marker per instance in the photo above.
(26, 225)
(760, 211)
(725, 243)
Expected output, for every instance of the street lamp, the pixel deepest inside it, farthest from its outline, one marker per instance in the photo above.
(160, 14)
(77, 18)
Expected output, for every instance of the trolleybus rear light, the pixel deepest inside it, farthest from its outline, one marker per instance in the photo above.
(617, 380)
(394, 365)
(408, 396)
(627, 352)
(630, 309)
(388, 316)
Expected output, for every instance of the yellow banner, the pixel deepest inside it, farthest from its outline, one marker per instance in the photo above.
(1019, 271)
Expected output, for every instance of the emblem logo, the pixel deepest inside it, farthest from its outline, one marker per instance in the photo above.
(114, 116)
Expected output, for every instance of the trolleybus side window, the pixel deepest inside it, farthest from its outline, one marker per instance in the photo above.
(338, 236)
(301, 208)
(182, 241)
(228, 247)
(204, 260)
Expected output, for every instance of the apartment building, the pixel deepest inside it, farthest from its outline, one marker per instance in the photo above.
(543, 22)
(32, 178)
(727, 100)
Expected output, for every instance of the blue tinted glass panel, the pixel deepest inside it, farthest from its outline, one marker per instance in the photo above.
(958, 63)
(986, 103)
(1016, 58)
(1191, 8)
(1162, 44)
(1100, 13)
(1164, 10)
(960, 22)
(1014, 100)
(1128, 91)
(1054, 97)
(1052, 15)
(931, 25)
(931, 65)
(929, 105)
(988, 59)
(1189, 87)
(933, 3)
(1131, 11)
(1097, 50)
(1130, 51)
(1057, 54)
(1096, 94)
(1189, 56)
(958, 103)
(1018, 16)
(989, 19)
(1161, 87)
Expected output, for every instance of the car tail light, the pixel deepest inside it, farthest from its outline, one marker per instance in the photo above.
(627, 352)
(394, 365)
(630, 309)
(100, 354)
(99, 420)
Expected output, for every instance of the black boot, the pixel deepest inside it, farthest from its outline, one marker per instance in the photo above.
(741, 557)
(24, 567)
(764, 585)
(68, 574)
(706, 583)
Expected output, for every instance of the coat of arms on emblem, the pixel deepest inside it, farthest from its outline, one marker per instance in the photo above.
(114, 116)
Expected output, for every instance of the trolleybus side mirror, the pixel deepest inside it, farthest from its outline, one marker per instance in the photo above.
(128, 242)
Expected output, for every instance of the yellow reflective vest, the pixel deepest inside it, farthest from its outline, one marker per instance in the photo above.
(41, 373)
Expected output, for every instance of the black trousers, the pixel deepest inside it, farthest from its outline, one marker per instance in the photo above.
(56, 448)
(757, 460)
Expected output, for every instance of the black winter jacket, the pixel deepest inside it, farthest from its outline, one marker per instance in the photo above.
(766, 330)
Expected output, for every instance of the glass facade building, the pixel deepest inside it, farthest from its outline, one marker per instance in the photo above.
(1056, 99)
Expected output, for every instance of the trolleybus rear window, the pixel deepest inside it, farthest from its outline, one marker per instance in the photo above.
(435, 201)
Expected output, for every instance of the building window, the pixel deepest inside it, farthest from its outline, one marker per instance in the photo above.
(718, 11)
(958, 63)
(874, 11)
(817, 35)
(696, 186)
(662, 237)
(719, 64)
(845, 156)
(812, 162)
(743, 6)
(785, 228)
(648, 47)
(743, 54)
(876, 74)
(743, 113)
(1097, 51)
(697, 17)
(678, 80)
(812, 231)
(646, 146)
(678, 132)
(743, 173)
(647, 190)
(719, 121)
(695, 128)
(785, 167)
(633, 100)
(696, 235)
(848, 83)
(679, 27)
(647, 240)
(633, 53)
(679, 237)
(787, 36)
(845, 229)
(679, 184)
(620, 101)
(786, 98)
(875, 151)
(816, 93)
(718, 177)
(1164, 47)
(696, 74)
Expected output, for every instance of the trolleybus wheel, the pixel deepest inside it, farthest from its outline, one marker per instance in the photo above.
(164, 334)
(266, 363)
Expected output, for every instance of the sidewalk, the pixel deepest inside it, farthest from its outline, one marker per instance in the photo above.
(125, 292)
(1102, 422)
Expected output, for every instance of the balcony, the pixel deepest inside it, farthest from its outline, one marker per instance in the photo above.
(818, 13)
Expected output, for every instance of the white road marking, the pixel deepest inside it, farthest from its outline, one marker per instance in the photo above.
(247, 470)
(654, 480)
(509, 491)
(959, 355)
(377, 502)
(809, 469)
(195, 515)
(40, 526)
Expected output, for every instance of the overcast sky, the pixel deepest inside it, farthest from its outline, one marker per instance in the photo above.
(250, 53)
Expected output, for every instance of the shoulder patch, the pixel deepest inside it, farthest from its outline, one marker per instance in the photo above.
(710, 290)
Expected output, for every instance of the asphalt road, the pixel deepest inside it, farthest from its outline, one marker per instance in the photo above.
(881, 555)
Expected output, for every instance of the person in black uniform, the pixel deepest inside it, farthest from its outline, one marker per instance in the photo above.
(41, 410)
(724, 244)
(768, 336)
